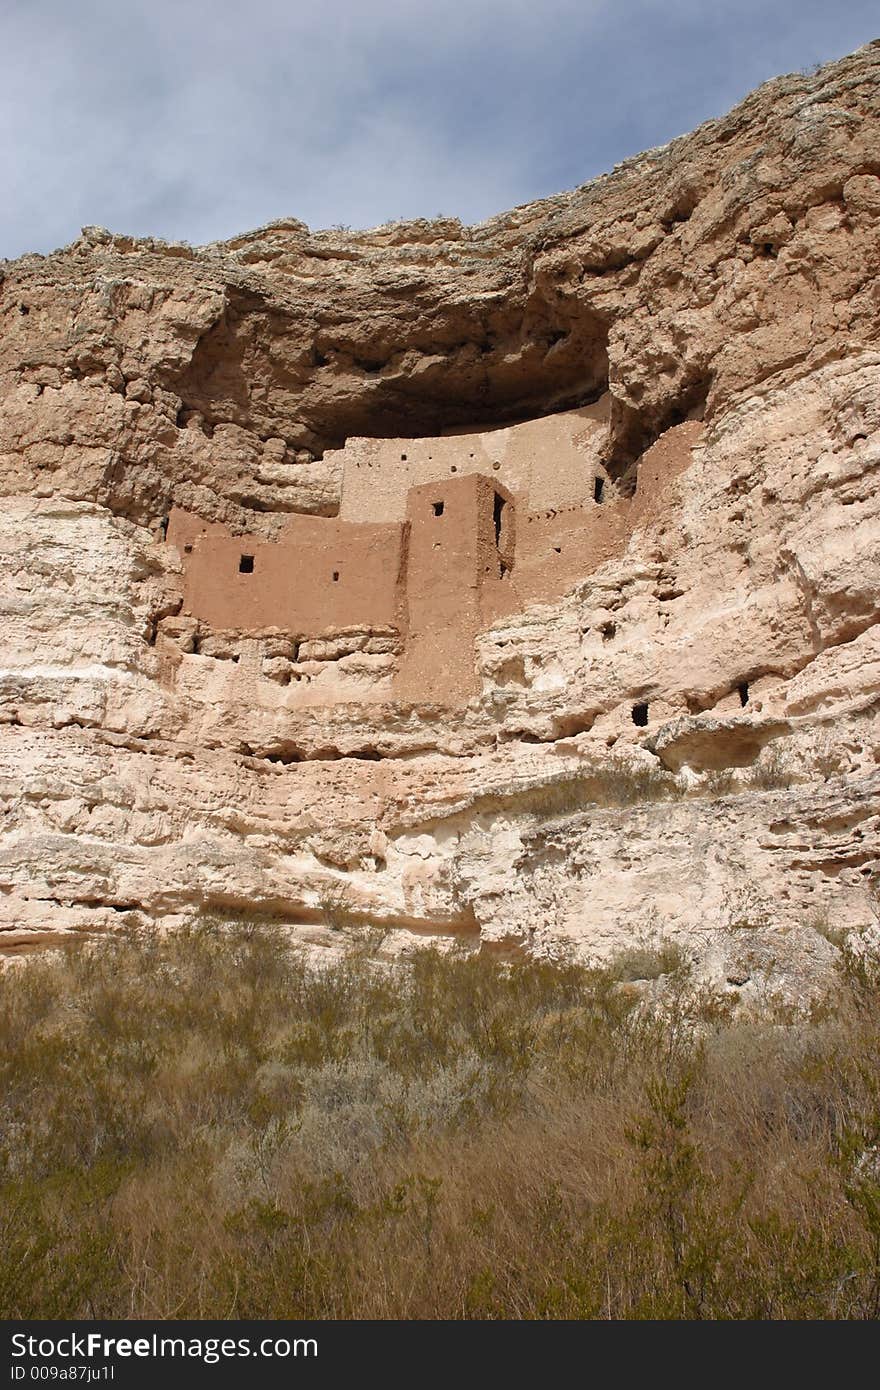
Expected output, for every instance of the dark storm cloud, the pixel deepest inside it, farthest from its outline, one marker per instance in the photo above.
(197, 119)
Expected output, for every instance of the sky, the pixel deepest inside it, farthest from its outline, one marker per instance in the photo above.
(195, 120)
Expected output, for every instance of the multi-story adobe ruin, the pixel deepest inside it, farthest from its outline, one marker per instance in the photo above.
(435, 539)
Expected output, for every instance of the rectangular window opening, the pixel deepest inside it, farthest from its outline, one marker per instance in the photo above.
(246, 564)
(598, 489)
(640, 715)
(438, 508)
(336, 576)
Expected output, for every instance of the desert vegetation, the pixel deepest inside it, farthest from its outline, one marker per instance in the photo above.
(206, 1124)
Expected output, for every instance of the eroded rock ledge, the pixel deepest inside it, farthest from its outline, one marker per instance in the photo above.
(246, 667)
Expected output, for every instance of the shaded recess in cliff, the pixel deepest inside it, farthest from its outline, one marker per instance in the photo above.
(633, 431)
(462, 370)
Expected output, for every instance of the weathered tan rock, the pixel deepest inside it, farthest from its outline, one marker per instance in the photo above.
(698, 331)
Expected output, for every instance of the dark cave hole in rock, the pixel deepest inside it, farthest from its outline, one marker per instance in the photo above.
(23, 309)
(438, 508)
(246, 564)
(598, 488)
(285, 756)
(640, 715)
(608, 630)
(742, 691)
(336, 576)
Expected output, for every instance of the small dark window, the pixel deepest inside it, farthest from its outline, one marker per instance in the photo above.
(403, 458)
(246, 564)
(187, 550)
(598, 489)
(336, 576)
(438, 508)
(558, 549)
(743, 693)
(640, 715)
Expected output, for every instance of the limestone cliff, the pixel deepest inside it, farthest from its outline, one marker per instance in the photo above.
(241, 671)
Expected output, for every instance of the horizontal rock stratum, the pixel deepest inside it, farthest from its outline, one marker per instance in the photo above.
(516, 583)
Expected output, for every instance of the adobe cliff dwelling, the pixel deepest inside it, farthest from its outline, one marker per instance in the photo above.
(435, 539)
(515, 584)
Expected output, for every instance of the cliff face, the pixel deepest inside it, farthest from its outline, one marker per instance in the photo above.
(649, 710)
